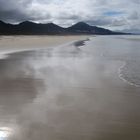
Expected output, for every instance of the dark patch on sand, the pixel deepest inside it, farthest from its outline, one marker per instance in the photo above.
(81, 42)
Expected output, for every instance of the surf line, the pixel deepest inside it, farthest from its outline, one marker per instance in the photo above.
(122, 78)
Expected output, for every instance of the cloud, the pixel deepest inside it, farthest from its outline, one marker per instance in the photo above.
(13, 11)
(134, 16)
(113, 14)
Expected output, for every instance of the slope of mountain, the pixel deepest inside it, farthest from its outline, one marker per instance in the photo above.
(6, 28)
(31, 28)
(34, 28)
(85, 28)
(82, 27)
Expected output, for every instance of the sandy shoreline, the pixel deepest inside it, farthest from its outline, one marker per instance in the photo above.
(10, 44)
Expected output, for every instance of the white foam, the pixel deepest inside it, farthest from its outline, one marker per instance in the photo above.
(122, 77)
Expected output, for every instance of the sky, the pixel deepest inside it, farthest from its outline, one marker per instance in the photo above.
(111, 14)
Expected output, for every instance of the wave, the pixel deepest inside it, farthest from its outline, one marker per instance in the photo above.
(123, 76)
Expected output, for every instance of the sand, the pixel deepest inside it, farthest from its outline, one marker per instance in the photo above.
(19, 43)
(66, 92)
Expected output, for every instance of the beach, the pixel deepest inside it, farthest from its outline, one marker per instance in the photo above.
(69, 88)
(21, 42)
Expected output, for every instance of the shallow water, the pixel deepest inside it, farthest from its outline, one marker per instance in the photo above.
(72, 92)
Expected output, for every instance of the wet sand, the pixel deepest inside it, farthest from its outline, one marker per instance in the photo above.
(70, 92)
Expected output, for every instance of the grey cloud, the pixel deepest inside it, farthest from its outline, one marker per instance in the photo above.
(119, 22)
(12, 16)
(13, 11)
(65, 12)
(99, 22)
(136, 1)
(108, 22)
(68, 17)
(134, 15)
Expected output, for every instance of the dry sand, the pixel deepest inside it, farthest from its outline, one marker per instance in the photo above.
(19, 43)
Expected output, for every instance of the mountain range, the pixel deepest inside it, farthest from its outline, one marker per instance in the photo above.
(31, 28)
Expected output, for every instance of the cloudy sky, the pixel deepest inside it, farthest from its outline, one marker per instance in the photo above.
(112, 14)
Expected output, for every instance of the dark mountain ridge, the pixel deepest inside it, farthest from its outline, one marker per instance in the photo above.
(82, 27)
(31, 28)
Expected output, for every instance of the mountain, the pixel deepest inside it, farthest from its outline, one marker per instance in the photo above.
(34, 28)
(84, 28)
(5, 28)
(31, 28)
